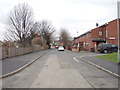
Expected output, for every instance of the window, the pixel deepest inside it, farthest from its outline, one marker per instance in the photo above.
(109, 45)
(87, 44)
(100, 33)
(113, 45)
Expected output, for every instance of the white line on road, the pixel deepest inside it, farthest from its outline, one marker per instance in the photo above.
(76, 59)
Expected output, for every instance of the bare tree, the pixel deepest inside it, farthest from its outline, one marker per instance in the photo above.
(47, 31)
(64, 36)
(20, 22)
(35, 29)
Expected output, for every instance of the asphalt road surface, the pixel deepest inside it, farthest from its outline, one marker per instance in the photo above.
(59, 69)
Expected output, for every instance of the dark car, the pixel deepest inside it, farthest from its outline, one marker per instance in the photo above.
(107, 48)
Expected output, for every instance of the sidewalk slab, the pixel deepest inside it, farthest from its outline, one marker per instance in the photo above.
(111, 66)
(14, 63)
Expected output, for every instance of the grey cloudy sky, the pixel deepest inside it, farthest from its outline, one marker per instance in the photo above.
(74, 15)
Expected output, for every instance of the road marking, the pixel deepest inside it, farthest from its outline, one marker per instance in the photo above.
(76, 59)
(99, 67)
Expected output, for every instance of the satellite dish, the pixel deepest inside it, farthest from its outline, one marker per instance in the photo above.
(97, 24)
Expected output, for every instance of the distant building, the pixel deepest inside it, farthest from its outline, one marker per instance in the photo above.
(58, 43)
(38, 40)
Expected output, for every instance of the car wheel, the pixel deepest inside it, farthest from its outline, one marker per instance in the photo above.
(105, 51)
(116, 50)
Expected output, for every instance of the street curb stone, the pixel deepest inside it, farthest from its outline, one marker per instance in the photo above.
(99, 67)
(21, 68)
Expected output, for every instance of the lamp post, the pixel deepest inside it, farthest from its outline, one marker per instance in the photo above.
(118, 27)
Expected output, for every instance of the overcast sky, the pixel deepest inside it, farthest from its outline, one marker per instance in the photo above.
(74, 15)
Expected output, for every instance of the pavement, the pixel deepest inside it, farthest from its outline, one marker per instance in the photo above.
(58, 69)
(111, 66)
(12, 64)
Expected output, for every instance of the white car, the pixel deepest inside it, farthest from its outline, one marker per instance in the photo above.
(60, 48)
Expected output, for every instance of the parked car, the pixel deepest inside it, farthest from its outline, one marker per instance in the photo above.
(106, 48)
(60, 48)
(56, 47)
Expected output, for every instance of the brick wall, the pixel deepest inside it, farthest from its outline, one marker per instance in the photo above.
(84, 41)
(112, 36)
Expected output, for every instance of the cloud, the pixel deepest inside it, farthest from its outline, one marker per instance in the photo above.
(75, 15)
(2, 31)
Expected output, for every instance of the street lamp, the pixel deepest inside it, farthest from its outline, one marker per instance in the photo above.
(118, 27)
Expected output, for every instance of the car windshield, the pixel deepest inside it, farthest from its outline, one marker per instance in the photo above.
(61, 47)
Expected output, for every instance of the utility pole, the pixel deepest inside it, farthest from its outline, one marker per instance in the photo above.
(118, 27)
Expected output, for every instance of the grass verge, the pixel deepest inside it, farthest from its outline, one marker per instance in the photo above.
(113, 57)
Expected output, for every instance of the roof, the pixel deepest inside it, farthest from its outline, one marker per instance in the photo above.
(82, 35)
(94, 29)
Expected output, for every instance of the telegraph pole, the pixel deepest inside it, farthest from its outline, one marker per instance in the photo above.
(118, 27)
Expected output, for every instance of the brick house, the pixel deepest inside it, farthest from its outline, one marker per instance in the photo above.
(98, 35)
(106, 33)
(112, 33)
(83, 41)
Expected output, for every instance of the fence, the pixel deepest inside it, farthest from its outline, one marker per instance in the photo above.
(16, 51)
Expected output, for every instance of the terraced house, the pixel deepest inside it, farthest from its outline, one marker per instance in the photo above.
(106, 33)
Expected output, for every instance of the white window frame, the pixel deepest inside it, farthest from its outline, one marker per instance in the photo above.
(100, 33)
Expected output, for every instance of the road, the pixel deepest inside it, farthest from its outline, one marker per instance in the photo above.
(59, 69)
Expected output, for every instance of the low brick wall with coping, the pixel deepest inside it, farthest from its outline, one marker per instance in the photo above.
(7, 52)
